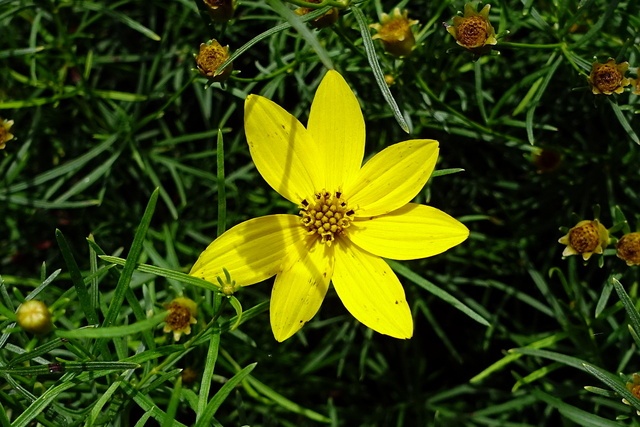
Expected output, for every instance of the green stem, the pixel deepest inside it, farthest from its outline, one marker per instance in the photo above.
(530, 45)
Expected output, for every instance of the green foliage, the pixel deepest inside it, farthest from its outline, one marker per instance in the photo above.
(126, 163)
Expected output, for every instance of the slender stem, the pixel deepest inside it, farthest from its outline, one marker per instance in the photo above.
(530, 45)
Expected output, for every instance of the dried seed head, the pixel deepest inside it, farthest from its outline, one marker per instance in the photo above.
(322, 21)
(628, 248)
(586, 238)
(473, 30)
(5, 135)
(395, 33)
(211, 56)
(182, 312)
(609, 77)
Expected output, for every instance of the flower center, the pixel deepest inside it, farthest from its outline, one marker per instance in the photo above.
(472, 31)
(607, 78)
(628, 248)
(179, 318)
(326, 214)
(584, 238)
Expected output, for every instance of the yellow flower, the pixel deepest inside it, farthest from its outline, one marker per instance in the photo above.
(628, 248)
(211, 56)
(350, 216)
(473, 30)
(395, 33)
(181, 317)
(609, 77)
(34, 316)
(326, 20)
(586, 238)
(5, 135)
(220, 10)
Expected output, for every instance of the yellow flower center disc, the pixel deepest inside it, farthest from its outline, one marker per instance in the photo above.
(326, 214)
(472, 31)
(584, 238)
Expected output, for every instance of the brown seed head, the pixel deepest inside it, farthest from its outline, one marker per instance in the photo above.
(628, 248)
(473, 31)
(211, 56)
(609, 77)
(322, 21)
(182, 312)
(5, 135)
(395, 33)
(584, 238)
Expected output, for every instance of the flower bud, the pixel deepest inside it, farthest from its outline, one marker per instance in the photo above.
(609, 77)
(473, 31)
(395, 33)
(211, 56)
(5, 135)
(586, 238)
(34, 316)
(628, 248)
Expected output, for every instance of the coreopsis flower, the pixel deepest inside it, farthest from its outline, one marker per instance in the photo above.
(628, 248)
(609, 77)
(350, 216)
(34, 316)
(395, 33)
(325, 20)
(547, 160)
(182, 312)
(586, 238)
(634, 387)
(473, 31)
(220, 10)
(211, 56)
(5, 134)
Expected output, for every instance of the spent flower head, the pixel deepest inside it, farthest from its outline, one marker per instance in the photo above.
(350, 216)
(34, 316)
(473, 31)
(211, 56)
(395, 33)
(182, 312)
(609, 77)
(220, 10)
(634, 387)
(628, 248)
(5, 134)
(585, 238)
(325, 20)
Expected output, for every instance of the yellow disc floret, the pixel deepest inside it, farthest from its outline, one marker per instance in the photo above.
(326, 214)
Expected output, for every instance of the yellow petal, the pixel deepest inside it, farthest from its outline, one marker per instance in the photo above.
(251, 251)
(392, 178)
(371, 292)
(337, 127)
(300, 287)
(282, 149)
(411, 232)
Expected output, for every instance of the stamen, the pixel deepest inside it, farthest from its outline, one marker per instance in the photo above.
(328, 217)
